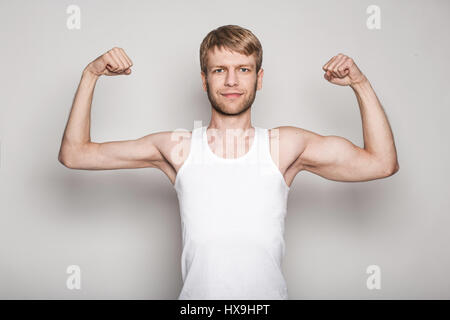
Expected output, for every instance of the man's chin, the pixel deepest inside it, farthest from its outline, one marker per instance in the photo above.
(230, 111)
(235, 111)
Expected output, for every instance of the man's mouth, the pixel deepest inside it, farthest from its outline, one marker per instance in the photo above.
(232, 95)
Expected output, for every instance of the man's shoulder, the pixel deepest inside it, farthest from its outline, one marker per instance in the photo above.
(175, 137)
(174, 144)
(289, 142)
(166, 139)
(288, 133)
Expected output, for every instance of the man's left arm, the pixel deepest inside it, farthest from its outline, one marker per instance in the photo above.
(337, 158)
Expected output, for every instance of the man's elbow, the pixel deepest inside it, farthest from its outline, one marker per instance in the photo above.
(391, 170)
(65, 160)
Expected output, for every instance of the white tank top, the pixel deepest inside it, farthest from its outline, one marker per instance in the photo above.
(232, 217)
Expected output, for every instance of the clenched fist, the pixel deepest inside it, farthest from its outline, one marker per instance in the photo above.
(113, 63)
(343, 71)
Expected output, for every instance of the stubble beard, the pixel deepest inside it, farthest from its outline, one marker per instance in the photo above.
(221, 108)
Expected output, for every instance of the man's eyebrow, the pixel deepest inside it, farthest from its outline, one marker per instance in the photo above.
(240, 65)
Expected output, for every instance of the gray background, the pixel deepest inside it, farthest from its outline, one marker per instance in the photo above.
(122, 227)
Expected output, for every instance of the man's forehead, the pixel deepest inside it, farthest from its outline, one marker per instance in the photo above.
(222, 57)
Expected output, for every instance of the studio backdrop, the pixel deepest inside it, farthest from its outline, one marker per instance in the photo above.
(119, 231)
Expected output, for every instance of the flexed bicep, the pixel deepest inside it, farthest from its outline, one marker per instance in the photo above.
(337, 158)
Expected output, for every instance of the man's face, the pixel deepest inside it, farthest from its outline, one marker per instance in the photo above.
(231, 72)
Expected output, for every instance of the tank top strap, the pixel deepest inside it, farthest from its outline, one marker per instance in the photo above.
(265, 160)
(196, 149)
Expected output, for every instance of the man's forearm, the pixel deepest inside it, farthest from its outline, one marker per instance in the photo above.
(378, 137)
(77, 131)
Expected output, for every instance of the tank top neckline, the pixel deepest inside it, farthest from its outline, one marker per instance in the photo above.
(243, 157)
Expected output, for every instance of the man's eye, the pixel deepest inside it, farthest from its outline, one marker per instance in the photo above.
(245, 69)
(217, 70)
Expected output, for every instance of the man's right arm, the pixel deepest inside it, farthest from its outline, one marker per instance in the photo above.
(140, 153)
(77, 151)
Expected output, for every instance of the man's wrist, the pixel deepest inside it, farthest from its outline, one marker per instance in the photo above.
(363, 82)
(89, 74)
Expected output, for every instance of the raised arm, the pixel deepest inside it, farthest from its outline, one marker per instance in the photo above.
(337, 158)
(77, 151)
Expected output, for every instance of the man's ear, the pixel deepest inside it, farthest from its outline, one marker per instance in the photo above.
(203, 80)
(260, 78)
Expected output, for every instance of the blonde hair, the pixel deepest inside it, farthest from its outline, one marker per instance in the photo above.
(234, 38)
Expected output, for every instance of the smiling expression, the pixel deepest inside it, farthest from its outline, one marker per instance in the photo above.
(231, 82)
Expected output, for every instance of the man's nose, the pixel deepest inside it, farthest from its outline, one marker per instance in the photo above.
(231, 78)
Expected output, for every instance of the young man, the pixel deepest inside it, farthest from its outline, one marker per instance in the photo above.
(232, 179)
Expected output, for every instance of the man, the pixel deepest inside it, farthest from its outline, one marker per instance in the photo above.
(232, 179)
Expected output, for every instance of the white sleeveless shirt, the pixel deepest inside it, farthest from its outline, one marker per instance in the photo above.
(232, 217)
